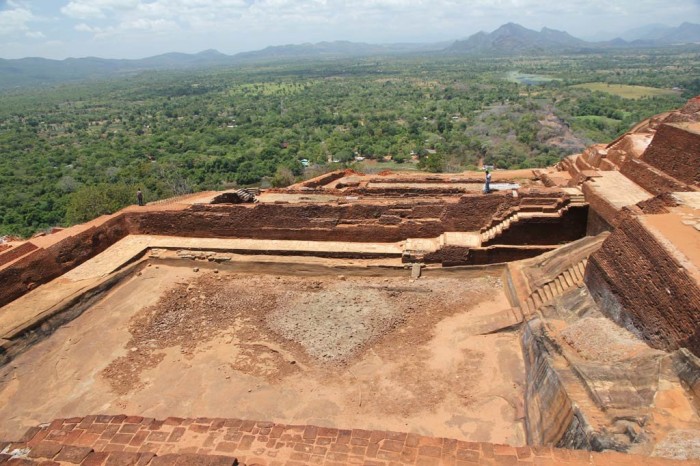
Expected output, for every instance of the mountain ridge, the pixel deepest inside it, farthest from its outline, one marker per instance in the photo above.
(508, 39)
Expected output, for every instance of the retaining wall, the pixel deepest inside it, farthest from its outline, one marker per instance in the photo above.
(674, 150)
(640, 285)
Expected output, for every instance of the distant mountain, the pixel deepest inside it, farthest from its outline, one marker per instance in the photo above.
(646, 32)
(28, 72)
(684, 34)
(659, 34)
(513, 39)
(336, 49)
(509, 39)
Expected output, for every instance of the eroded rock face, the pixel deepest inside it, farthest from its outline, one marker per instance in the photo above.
(594, 385)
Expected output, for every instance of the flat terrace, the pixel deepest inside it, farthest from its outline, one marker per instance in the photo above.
(328, 342)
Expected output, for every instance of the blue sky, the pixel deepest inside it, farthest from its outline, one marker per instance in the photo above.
(141, 28)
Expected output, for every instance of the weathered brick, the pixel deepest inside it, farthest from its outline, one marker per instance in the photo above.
(392, 445)
(218, 460)
(429, 450)
(523, 452)
(469, 456)
(199, 428)
(73, 454)
(298, 456)
(30, 433)
(234, 423)
(361, 442)
(361, 433)
(227, 447)
(388, 455)
(372, 450)
(87, 422)
(412, 440)
(139, 438)
(165, 460)
(327, 432)
(157, 436)
(45, 449)
(247, 426)
(38, 437)
(97, 428)
(176, 434)
(95, 459)
(409, 454)
(430, 441)
(310, 432)
(145, 458)
(505, 460)
(129, 428)
(173, 421)
(156, 425)
(121, 438)
(246, 442)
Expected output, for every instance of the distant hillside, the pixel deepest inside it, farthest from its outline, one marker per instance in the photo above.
(656, 35)
(513, 39)
(28, 72)
(509, 39)
(336, 49)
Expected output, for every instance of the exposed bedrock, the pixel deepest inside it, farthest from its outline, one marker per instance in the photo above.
(639, 283)
(594, 385)
(550, 415)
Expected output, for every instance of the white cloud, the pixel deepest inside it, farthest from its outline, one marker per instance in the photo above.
(35, 35)
(14, 19)
(87, 9)
(128, 27)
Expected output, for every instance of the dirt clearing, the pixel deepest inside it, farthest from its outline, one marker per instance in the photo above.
(366, 352)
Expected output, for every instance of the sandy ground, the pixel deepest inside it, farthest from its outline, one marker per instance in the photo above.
(351, 352)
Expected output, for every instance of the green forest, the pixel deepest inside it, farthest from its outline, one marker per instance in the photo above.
(72, 152)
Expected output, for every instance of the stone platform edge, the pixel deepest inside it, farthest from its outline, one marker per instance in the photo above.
(105, 440)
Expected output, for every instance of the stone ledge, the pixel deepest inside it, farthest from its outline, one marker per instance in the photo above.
(101, 440)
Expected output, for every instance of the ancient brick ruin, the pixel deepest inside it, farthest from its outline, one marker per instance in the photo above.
(372, 319)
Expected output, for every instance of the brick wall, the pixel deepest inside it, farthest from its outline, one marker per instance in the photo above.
(641, 286)
(676, 151)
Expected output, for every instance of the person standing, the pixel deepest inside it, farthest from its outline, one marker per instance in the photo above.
(487, 185)
(139, 196)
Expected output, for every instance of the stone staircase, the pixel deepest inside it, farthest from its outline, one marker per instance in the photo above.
(571, 277)
(576, 199)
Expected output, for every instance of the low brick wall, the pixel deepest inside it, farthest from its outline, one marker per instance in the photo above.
(135, 440)
(45, 264)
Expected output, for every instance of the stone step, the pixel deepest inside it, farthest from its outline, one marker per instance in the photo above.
(536, 298)
(577, 275)
(558, 287)
(568, 278)
(530, 305)
(548, 292)
(582, 269)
